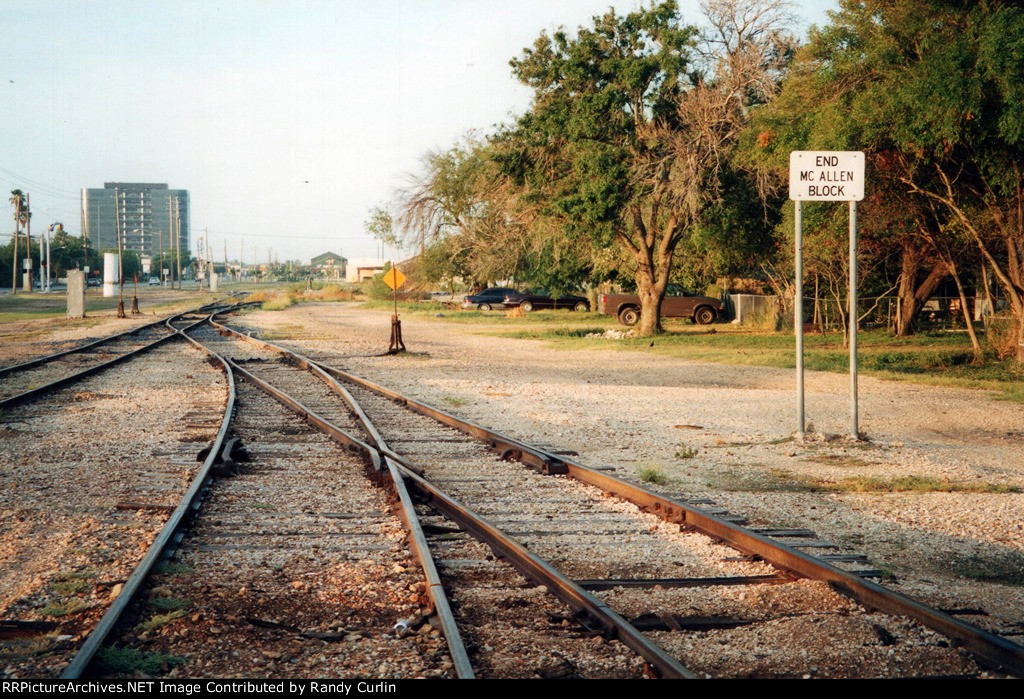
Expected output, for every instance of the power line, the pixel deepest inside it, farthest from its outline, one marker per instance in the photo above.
(286, 235)
(40, 187)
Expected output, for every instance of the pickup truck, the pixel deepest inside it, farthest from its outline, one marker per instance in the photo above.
(676, 304)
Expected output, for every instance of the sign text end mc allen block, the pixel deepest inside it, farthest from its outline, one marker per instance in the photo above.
(826, 175)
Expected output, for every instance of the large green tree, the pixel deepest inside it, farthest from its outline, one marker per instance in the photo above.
(461, 206)
(629, 137)
(940, 86)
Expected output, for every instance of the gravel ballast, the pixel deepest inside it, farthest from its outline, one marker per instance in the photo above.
(630, 409)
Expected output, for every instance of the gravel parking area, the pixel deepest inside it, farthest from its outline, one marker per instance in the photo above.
(724, 432)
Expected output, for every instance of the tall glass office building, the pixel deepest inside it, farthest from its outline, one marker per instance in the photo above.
(147, 212)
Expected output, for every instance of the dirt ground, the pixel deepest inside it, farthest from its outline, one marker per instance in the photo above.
(725, 432)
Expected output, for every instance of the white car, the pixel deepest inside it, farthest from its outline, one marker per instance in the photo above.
(154, 281)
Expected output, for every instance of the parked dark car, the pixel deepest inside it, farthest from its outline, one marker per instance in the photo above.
(93, 281)
(488, 298)
(538, 299)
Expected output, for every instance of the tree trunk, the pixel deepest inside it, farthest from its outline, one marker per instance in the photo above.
(818, 323)
(1020, 340)
(911, 299)
(653, 255)
(975, 345)
(650, 313)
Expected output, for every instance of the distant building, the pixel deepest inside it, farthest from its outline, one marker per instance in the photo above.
(360, 268)
(328, 264)
(147, 211)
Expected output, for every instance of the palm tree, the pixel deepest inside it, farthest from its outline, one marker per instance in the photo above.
(17, 201)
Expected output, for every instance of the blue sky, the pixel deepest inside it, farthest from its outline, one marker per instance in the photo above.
(286, 120)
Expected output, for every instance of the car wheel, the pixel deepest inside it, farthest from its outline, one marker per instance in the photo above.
(705, 315)
(484, 306)
(582, 306)
(629, 316)
(526, 306)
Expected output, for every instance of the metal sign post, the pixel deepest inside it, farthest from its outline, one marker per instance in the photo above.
(854, 430)
(394, 279)
(825, 176)
(798, 317)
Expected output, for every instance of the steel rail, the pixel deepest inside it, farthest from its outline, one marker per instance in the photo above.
(166, 539)
(418, 542)
(97, 368)
(993, 648)
(530, 565)
(4, 371)
(407, 512)
(996, 650)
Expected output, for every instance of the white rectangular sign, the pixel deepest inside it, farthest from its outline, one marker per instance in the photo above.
(826, 175)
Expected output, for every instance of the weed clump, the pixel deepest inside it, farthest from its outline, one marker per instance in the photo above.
(652, 474)
(128, 661)
(684, 451)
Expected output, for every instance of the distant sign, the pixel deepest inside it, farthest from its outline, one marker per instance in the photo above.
(394, 278)
(826, 175)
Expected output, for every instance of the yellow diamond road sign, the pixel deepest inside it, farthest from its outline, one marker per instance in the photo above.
(394, 278)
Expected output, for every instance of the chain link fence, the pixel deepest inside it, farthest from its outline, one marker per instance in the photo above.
(826, 314)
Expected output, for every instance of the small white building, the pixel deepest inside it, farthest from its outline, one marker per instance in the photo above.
(359, 268)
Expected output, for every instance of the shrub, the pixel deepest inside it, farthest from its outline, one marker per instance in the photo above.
(279, 303)
(651, 474)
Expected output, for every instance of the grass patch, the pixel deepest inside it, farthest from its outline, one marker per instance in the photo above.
(285, 332)
(128, 661)
(71, 582)
(1006, 568)
(454, 401)
(72, 606)
(684, 451)
(160, 620)
(169, 604)
(14, 649)
(939, 359)
(279, 302)
(754, 480)
(652, 474)
(68, 587)
(915, 484)
(173, 567)
(838, 460)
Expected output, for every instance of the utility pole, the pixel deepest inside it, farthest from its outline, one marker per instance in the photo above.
(28, 243)
(17, 236)
(170, 231)
(85, 237)
(163, 282)
(120, 269)
(177, 212)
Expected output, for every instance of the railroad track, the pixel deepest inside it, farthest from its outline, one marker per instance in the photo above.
(711, 597)
(513, 623)
(293, 566)
(25, 381)
(101, 503)
(619, 573)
